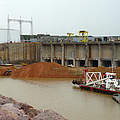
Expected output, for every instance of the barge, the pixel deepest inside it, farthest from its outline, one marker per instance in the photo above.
(96, 82)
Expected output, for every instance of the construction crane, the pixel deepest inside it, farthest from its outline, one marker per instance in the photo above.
(83, 36)
(70, 36)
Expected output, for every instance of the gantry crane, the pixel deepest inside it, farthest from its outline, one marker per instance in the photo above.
(83, 36)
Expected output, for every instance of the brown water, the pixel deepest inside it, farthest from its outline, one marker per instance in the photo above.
(72, 103)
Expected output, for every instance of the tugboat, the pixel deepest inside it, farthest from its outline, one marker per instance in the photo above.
(95, 81)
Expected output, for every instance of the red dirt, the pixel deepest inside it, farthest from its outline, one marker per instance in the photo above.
(42, 70)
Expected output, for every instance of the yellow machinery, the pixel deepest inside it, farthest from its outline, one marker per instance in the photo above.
(83, 36)
(70, 36)
(24, 64)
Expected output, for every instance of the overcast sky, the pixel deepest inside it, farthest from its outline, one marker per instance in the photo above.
(98, 17)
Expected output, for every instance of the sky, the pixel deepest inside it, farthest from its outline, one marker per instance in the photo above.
(58, 17)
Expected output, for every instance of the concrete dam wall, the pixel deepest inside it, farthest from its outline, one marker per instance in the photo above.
(78, 54)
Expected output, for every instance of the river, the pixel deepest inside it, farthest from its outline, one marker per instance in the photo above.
(62, 97)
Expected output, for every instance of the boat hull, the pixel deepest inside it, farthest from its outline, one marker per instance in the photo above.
(98, 90)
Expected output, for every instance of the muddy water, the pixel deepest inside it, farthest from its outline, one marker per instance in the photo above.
(60, 96)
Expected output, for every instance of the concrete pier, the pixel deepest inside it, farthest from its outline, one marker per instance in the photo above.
(52, 52)
(63, 52)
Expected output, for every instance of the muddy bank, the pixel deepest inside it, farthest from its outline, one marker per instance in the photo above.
(13, 110)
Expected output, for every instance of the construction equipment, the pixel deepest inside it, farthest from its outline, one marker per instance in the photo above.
(83, 36)
(95, 81)
(70, 36)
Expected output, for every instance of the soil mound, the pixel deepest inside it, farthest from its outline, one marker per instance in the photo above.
(42, 70)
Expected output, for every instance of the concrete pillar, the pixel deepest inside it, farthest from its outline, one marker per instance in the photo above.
(77, 63)
(63, 53)
(52, 52)
(8, 53)
(39, 52)
(65, 62)
(74, 62)
(86, 54)
(113, 54)
(99, 54)
(41, 59)
(74, 59)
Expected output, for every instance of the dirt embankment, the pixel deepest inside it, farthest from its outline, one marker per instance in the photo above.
(42, 70)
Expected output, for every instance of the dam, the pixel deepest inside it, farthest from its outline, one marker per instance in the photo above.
(92, 54)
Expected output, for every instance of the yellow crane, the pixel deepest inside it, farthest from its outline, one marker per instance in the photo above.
(83, 36)
(70, 36)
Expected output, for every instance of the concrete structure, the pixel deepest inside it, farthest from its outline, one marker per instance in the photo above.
(65, 53)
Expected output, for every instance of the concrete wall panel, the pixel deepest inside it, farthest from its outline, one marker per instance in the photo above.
(106, 51)
(69, 51)
(58, 51)
(117, 51)
(94, 51)
(80, 51)
(46, 51)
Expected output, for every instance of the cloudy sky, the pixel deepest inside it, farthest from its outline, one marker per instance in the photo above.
(98, 17)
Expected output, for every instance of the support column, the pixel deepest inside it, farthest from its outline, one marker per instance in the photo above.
(113, 54)
(74, 59)
(41, 59)
(52, 52)
(86, 54)
(74, 62)
(99, 54)
(77, 63)
(39, 48)
(63, 53)
(66, 63)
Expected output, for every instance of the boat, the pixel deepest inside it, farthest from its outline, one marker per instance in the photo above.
(96, 82)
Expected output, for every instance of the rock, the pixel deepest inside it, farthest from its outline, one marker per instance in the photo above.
(10, 112)
(13, 110)
(29, 110)
(4, 100)
(48, 115)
